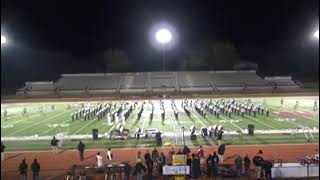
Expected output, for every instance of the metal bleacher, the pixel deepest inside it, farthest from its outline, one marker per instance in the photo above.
(155, 82)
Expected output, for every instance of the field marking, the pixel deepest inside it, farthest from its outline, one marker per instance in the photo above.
(260, 122)
(232, 123)
(196, 115)
(86, 125)
(50, 129)
(23, 119)
(38, 123)
(144, 120)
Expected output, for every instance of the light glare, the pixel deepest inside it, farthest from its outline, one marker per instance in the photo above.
(3, 39)
(163, 36)
(316, 34)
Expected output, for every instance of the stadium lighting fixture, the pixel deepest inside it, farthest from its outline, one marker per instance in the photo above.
(316, 34)
(3, 39)
(163, 36)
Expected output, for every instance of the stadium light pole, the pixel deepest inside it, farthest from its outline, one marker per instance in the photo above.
(316, 37)
(3, 42)
(163, 36)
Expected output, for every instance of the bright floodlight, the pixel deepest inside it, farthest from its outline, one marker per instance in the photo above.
(163, 36)
(316, 34)
(3, 39)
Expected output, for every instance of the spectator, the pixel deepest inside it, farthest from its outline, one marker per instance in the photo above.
(23, 168)
(139, 170)
(99, 160)
(257, 161)
(215, 165)
(195, 164)
(161, 163)
(127, 170)
(221, 150)
(35, 167)
(54, 144)
(189, 161)
(201, 154)
(238, 163)
(186, 150)
(109, 156)
(209, 165)
(81, 150)
(155, 156)
(139, 159)
(179, 152)
(149, 163)
(2, 151)
(247, 165)
(171, 153)
(267, 166)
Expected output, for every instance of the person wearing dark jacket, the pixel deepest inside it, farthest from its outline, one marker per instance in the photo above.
(23, 168)
(267, 166)
(127, 170)
(209, 165)
(35, 168)
(195, 166)
(221, 150)
(186, 150)
(81, 147)
(139, 170)
(247, 165)
(149, 163)
(2, 151)
(215, 165)
(54, 144)
(161, 163)
(155, 156)
(257, 161)
(238, 163)
(189, 160)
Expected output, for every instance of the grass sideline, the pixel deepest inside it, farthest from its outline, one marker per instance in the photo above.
(133, 143)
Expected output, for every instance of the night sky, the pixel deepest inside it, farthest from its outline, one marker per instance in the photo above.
(48, 38)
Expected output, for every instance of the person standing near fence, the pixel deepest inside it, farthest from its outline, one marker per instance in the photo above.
(35, 168)
(23, 168)
(247, 165)
(81, 147)
(221, 150)
(54, 144)
(238, 163)
(99, 160)
(139, 170)
(2, 151)
(257, 161)
(215, 165)
(149, 163)
(109, 156)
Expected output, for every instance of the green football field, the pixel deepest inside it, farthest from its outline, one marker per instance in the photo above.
(272, 129)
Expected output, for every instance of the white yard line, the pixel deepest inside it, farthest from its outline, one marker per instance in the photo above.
(90, 122)
(260, 122)
(23, 119)
(50, 129)
(115, 124)
(196, 115)
(39, 122)
(231, 123)
(144, 121)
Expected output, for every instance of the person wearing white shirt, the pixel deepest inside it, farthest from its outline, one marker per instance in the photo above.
(99, 160)
(109, 155)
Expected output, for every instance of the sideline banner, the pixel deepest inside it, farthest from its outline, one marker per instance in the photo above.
(176, 170)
